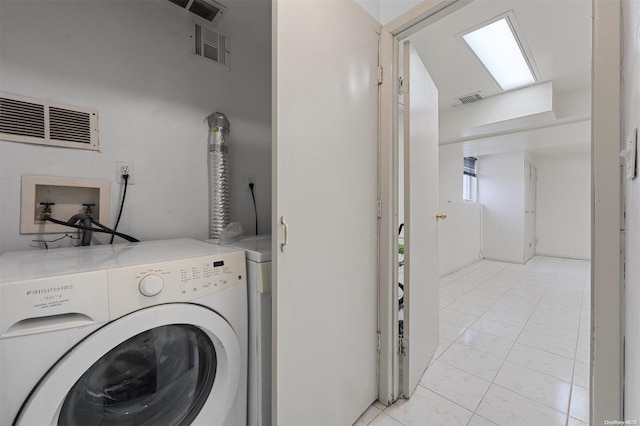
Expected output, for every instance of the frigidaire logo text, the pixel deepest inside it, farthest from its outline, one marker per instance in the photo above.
(49, 290)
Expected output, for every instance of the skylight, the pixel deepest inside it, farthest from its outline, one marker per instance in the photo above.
(496, 47)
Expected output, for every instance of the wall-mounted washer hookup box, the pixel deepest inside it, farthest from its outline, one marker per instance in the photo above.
(68, 196)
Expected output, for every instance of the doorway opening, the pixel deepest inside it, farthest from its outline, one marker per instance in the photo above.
(548, 150)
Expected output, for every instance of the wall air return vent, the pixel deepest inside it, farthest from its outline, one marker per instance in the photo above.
(472, 97)
(211, 44)
(208, 10)
(31, 120)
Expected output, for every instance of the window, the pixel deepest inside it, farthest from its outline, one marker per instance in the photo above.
(470, 179)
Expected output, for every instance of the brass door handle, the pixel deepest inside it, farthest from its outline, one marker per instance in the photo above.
(441, 216)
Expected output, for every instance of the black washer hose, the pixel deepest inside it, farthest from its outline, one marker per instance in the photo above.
(86, 222)
(103, 229)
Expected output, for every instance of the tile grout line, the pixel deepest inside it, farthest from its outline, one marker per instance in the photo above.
(527, 276)
(511, 349)
(575, 356)
(474, 412)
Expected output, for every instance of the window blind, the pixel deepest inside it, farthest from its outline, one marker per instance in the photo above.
(470, 166)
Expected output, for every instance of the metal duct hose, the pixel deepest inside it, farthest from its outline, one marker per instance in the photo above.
(218, 180)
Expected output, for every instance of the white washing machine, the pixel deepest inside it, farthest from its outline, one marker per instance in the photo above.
(151, 333)
(258, 252)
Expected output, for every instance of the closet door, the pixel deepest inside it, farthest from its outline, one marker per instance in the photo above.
(325, 197)
(530, 211)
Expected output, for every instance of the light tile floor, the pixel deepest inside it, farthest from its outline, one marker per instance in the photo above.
(514, 349)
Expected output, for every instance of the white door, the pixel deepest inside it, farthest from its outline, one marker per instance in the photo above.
(421, 276)
(325, 188)
(530, 211)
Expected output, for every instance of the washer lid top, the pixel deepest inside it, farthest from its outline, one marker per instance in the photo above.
(33, 264)
(257, 248)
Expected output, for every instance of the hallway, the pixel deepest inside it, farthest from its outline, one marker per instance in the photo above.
(514, 349)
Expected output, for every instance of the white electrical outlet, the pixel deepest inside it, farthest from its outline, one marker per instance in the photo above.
(250, 179)
(124, 168)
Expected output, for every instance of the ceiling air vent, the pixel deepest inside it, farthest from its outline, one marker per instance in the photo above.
(208, 10)
(211, 44)
(31, 120)
(467, 99)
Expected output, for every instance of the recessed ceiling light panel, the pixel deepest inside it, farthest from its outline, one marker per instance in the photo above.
(498, 48)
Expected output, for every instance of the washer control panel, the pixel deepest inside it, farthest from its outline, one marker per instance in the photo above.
(184, 280)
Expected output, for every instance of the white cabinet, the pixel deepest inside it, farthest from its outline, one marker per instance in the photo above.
(325, 187)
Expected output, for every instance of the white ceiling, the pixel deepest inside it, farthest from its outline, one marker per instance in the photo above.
(557, 32)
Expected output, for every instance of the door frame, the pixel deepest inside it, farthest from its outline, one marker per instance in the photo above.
(391, 34)
(606, 329)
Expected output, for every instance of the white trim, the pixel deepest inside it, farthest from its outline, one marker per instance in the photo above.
(276, 226)
(464, 265)
(562, 256)
(389, 386)
(421, 16)
(606, 288)
(497, 259)
(606, 377)
(415, 19)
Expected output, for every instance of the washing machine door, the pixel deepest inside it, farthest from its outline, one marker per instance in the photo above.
(175, 364)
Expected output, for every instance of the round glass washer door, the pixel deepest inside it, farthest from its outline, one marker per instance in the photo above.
(175, 364)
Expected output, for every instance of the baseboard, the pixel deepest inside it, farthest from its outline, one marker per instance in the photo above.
(457, 268)
(561, 256)
(495, 259)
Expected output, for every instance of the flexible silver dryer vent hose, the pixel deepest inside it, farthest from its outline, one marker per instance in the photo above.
(218, 179)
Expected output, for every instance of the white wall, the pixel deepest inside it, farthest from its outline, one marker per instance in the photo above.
(501, 192)
(631, 119)
(451, 160)
(130, 60)
(505, 112)
(459, 236)
(563, 189)
(563, 208)
(544, 137)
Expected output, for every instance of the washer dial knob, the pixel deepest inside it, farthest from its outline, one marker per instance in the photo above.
(151, 285)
